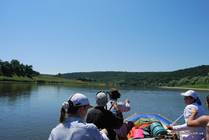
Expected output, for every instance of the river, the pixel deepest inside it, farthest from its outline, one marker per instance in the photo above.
(30, 111)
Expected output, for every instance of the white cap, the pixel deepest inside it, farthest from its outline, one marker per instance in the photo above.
(79, 99)
(101, 99)
(191, 93)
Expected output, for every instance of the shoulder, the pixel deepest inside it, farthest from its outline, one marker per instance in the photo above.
(191, 106)
(94, 109)
(57, 128)
(89, 126)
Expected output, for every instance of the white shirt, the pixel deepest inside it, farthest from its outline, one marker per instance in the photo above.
(122, 107)
(75, 129)
(191, 133)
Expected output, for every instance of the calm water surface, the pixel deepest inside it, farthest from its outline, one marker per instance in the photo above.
(29, 112)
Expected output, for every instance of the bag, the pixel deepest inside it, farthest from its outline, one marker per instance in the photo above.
(157, 129)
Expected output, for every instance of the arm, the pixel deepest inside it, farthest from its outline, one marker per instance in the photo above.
(187, 113)
(201, 121)
(104, 134)
(124, 107)
(180, 127)
(177, 127)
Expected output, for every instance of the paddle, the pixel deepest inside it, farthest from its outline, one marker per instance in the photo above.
(174, 122)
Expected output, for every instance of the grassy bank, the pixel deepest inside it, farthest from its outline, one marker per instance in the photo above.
(187, 87)
(47, 79)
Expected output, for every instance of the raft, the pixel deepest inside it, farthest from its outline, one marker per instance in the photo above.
(150, 127)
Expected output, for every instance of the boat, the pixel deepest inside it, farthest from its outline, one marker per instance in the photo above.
(150, 127)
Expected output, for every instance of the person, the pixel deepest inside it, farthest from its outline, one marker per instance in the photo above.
(118, 107)
(103, 118)
(201, 121)
(192, 101)
(72, 125)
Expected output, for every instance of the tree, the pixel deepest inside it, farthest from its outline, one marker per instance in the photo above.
(6, 69)
(15, 65)
(15, 68)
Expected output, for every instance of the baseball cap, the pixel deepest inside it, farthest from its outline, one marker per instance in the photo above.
(191, 93)
(101, 98)
(79, 99)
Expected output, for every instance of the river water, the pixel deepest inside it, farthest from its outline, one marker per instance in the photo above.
(29, 112)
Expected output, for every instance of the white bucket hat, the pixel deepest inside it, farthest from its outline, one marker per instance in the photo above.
(191, 93)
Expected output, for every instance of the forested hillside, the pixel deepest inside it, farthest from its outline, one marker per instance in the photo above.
(196, 77)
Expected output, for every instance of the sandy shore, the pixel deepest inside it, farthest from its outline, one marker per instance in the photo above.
(203, 89)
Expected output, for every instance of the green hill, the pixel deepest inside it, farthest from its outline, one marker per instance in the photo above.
(192, 77)
(196, 77)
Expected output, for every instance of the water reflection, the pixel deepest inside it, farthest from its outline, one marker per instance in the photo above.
(14, 91)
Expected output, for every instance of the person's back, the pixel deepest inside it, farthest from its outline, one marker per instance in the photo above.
(103, 118)
(72, 125)
(75, 129)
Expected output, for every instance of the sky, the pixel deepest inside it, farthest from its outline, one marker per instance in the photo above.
(61, 36)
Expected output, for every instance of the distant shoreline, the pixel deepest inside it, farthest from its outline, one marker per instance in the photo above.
(202, 89)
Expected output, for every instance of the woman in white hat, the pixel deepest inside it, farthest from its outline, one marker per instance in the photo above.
(192, 102)
(72, 125)
(201, 121)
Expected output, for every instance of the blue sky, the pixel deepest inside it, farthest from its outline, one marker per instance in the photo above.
(105, 35)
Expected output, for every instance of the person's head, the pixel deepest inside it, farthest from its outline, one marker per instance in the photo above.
(101, 98)
(77, 104)
(114, 94)
(190, 96)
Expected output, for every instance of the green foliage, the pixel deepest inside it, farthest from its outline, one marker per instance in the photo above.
(14, 67)
(191, 76)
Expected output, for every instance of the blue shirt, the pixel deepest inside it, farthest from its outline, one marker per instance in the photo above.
(75, 129)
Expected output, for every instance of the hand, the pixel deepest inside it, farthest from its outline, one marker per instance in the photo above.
(115, 106)
(104, 131)
(127, 101)
(169, 127)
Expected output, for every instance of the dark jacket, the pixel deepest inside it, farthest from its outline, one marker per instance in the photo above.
(103, 118)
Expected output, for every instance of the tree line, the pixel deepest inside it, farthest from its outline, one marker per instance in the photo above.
(191, 76)
(15, 68)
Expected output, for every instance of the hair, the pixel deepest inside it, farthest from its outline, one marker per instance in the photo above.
(71, 109)
(62, 115)
(103, 100)
(114, 94)
(197, 100)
